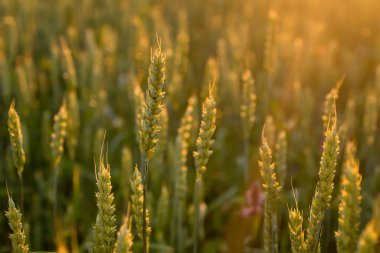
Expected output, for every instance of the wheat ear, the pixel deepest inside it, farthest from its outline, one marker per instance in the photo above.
(202, 155)
(17, 237)
(325, 186)
(105, 225)
(350, 199)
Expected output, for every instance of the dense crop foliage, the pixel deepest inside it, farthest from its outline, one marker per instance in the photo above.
(189, 126)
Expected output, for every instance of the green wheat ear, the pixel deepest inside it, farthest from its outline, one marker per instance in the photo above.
(137, 203)
(16, 138)
(59, 134)
(370, 236)
(350, 199)
(206, 132)
(17, 237)
(325, 186)
(150, 119)
(105, 225)
(272, 188)
(124, 240)
(297, 233)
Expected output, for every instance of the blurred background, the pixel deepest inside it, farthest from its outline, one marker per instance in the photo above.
(296, 50)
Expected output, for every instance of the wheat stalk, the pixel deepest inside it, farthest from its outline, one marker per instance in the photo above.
(203, 153)
(272, 188)
(150, 124)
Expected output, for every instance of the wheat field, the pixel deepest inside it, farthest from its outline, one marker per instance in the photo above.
(190, 126)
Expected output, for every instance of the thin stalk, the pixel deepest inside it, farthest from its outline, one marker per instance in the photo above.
(55, 197)
(180, 229)
(246, 158)
(173, 221)
(21, 194)
(145, 187)
(196, 215)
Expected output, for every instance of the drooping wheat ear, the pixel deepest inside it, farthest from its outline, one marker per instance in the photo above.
(162, 213)
(325, 186)
(16, 138)
(137, 203)
(17, 237)
(105, 225)
(281, 157)
(248, 103)
(329, 104)
(272, 188)
(58, 135)
(368, 238)
(370, 117)
(206, 132)
(350, 199)
(150, 126)
(124, 241)
(270, 51)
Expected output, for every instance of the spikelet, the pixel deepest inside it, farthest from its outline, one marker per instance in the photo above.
(370, 117)
(325, 186)
(137, 203)
(105, 225)
(296, 230)
(281, 157)
(206, 132)
(329, 104)
(162, 213)
(368, 238)
(58, 135)
(16, 139)
(150, 126)
(272, 188)
(248, 103)
(350, 199)
(15, 222)
(124, 241)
